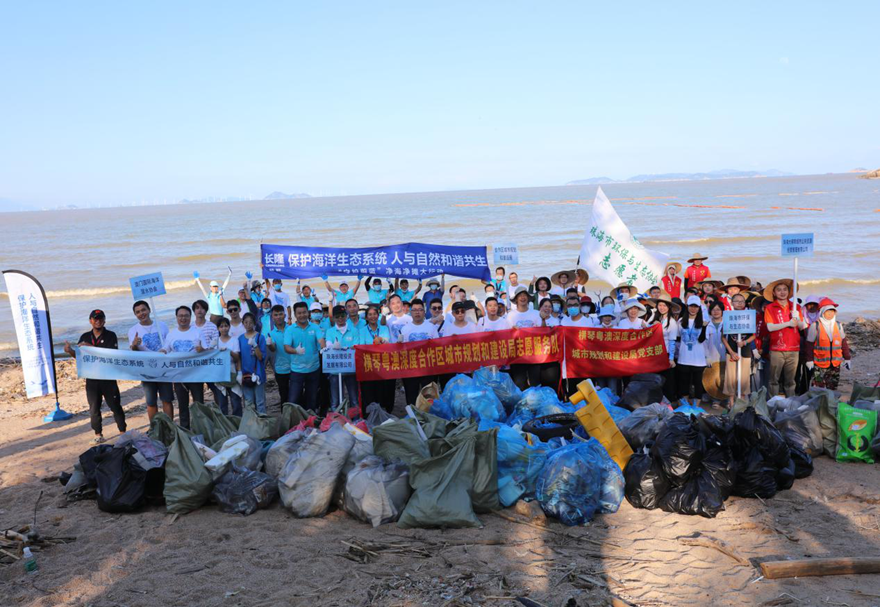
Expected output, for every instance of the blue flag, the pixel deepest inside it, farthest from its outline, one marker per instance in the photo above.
(412, 260)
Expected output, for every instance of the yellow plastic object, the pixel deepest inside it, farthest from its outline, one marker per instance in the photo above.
(596, 420)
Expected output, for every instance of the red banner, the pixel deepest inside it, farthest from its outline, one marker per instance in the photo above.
(458, 354)
(614, 352)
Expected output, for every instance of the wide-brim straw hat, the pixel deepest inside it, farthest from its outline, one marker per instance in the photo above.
(572, 275)
(757, 300)
(768, 290)
(582, 277)
(631, 290)
(665, 298)
(673, 264)
(745, 280)
(632, 303)
(733, 281)
(718, 284)
(712, 381)
(697, 256)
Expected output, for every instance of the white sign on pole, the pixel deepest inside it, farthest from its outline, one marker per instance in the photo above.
(738, 321)
(148, 285)
(797, 245)
(611, 253)
(506, 254)
(338, 361)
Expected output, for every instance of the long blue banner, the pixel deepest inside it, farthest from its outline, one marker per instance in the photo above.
(412, 259)
(104, 363)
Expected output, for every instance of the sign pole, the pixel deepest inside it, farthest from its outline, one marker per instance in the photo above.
(738, 371)
(339, 375)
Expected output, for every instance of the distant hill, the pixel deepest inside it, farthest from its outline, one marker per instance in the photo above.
(10, 206)
(283, 196)
(871, 175)
(720, 174)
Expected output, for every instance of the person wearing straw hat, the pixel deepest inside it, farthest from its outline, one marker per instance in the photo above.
(742, 343)
(539, 290)
(691, 353)
(666, 311)
(784, 322)
(707, 289)
(632, 315)
(671, 281)
(562, 281)
(696, 272)
(729, 289)
(827, 348)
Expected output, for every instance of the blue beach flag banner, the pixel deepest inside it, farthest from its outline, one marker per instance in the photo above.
(104, 363)
(30, 314)
(412, 259)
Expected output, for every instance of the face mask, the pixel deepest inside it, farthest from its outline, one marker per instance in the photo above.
(433, 287)
(573, 310)
(499, 277)
(276, 287)
(317, 316)
(490, 293)
(377, 287)
(557, 307)
(585, 309)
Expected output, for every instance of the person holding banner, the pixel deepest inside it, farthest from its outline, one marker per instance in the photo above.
(149, 336)
(733, 343)
(252, 346)
(98, 390)
(339, 296)
(783, 323)
(376, 293)
(276, 337)
(417, 330)
(279, 298)
(227, 391)
(401, 288)
(491, 321)
(377, 391)
(303, 342)
(186, 337)
(435, 292)
(342, 336)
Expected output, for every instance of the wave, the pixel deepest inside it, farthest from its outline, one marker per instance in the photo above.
(213, 256)
(712, 239)
(841, 281)
(98, 291)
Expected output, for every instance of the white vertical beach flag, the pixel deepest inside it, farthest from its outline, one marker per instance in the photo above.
(611, 253)
(30, 313)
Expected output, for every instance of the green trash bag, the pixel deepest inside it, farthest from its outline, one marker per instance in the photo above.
(208, 421)
(484, 490)
(758, 400)
(855, 429)
(433, 426)
(400, 441)
(258, 427)
(163, 429)
(825, 403)
(291, 415)
(442, 487)
(188, 483)
(860, 392)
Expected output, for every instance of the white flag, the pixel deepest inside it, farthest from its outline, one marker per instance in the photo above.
(30, 313)
(611, 253)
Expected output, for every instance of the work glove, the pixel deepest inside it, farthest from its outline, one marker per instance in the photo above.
(248, 275)
(269, 340)
(336, 345)
(847, 364)
(195, 274)
(239, 377)
(324, 277)
(810, 364)
(300, 350)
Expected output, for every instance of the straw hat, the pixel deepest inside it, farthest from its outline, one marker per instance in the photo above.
(664, 297)
(697, 256)
(712, 382)
(582, 277)
(718, 284)
(745, 280)
(756, 301)
(673, 264)
(630, 289)
(768, 290)
(632, 303)
(734, 281)
(570, 273)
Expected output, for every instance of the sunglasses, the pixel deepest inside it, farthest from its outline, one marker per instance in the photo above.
(458, 311)
(436, 307)
(233, 309)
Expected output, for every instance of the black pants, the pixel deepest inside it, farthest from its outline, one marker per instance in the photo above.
(689, 377)
(413, 385)
(283, 380)
(670, 384)
(182, 392)
(106, 390)
(550, 375)
(378, 391)
(525, 376)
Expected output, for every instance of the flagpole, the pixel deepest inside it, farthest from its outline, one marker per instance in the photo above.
(59, 414)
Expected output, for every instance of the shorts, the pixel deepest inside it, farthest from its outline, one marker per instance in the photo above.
(154, 390)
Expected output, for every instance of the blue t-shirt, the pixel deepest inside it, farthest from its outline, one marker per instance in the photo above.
(282, 358)
(257, 297)
(214, 305)
(367, 334)
(325, 324)
(430, 296)
(406, 295)
(297, 336)
(249, 362)
(341, 297)
(265, 323)
(349, 339)
(379, 296)
(361, 323)
(308, 300)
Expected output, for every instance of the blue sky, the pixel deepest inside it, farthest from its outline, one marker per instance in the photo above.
(114, 102)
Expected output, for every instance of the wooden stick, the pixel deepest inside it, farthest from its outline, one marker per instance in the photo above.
(722, 547)
(774, 570)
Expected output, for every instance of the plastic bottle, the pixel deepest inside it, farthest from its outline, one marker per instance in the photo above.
(30, 561)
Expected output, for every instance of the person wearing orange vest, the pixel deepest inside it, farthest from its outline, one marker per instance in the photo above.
(671, 282)
(696, 272)
(784, 322)
(827, 349)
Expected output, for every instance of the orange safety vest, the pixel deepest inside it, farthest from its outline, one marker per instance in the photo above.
(828, 350)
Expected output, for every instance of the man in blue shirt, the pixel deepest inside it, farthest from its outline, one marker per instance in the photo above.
(401, 288)
(304, 341)
(339, 296)
(376, 293)
(276, 337)
(435, 291)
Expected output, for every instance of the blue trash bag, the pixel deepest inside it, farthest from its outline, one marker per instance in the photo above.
(579, 480)
(501, 383)
(618, 414)
(441, 409)
(537, 402)
(689, 410)
(607, 396)
(519, 463)
(466, 398)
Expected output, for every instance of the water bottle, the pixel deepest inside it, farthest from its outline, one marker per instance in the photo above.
(30, 561)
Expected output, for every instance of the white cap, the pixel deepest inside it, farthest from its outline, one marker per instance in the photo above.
(693, 300)
(315, 307)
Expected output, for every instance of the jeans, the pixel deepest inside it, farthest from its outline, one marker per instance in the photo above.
(304, 388)
(783, 366)
(283, 381)
(216, 390)
(154, 390)
(183, 391)
(257, 395)
(106, 390)
(349, 385)
(224, 400)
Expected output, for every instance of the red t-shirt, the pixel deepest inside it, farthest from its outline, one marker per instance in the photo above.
(784, 340)
(672, 287)
(695, 274)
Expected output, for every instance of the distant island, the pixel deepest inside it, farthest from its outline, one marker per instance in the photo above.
(272, 196)
(283, 196)
(720, 174)
(871, 175)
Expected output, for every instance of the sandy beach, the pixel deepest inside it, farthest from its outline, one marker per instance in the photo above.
(270, 558)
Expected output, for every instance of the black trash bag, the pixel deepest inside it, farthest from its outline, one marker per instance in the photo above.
(719, 463)
(755, 477)
(243, 491)
(679, 448)
(645, 482)
(643, 389)
(120, 480)
(699, 495)
(88, 462)
(785, 476)
(716, 426)
(803, 463)
(641, 427)
(755, 431)
(800, 428)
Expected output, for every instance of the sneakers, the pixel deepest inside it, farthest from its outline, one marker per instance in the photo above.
(99, 438)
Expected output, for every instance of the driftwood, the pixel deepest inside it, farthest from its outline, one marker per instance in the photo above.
(773, 570)
(714, 544)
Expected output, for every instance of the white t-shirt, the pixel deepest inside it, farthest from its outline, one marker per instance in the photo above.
(557, 290)
(550, 322)
(626, 323)
(152, 335)
(413, 332)
(583, 321)
(511, 291)
(523, 320)
(236, 330)
(280, 298)
(396, 323)
(499, 324)
(184, 341)
(210, 334)
(232, 345)
(451, 328)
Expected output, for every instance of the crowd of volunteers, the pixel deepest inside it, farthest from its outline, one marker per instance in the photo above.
(265, 327)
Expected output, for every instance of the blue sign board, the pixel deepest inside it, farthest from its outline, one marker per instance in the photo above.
(338, 361)
(738, 321)
(148, 285)
(797, 245)
(506, 254)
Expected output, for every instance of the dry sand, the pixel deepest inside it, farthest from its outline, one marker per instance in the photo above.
(270, 558)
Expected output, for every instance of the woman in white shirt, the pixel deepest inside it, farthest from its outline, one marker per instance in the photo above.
(691, 352)
(666, 312)
(632, 312)
(229, 392)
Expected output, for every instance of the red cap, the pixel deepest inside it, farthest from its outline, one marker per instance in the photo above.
(827, 301)
(586, 299)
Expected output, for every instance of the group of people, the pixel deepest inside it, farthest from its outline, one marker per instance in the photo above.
(794, 345)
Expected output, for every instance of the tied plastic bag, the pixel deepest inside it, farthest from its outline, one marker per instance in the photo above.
(642, 425)
(239, 450)
(803, 463)
(376, 492)
(645, 482)
(680, 448)
(258, 427)
(519, 463)
(400, 441)
(149, 453)
(243, 491)
(208, 421)
(537, 402)
(471, 400)
(121, 481)
(187, 482)
(764, 458)
(307, 482)
(163, 429)
(642, 390)
(855, 430)
(363, 448)
(757, 399)
(281, 450)
(426, 396)
(699, 495)
(500, 383)
(376, 416)
(800, 427)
